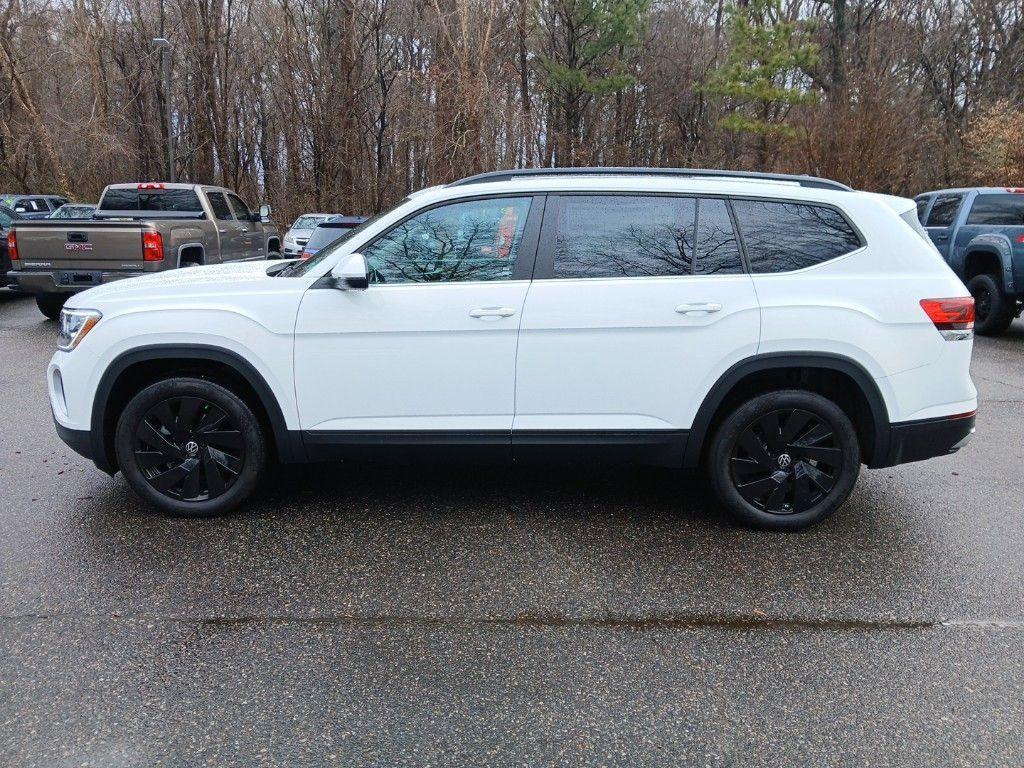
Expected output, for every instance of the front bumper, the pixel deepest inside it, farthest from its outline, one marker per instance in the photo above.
(64, 280)
(927, 438)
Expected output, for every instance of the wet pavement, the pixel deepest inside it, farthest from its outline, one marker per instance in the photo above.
(360, 615)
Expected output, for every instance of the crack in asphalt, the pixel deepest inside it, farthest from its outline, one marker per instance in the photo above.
(542, 621)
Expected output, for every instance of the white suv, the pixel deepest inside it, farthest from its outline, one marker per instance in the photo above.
(778, 330)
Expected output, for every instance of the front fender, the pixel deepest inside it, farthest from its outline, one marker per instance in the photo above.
(991, 242)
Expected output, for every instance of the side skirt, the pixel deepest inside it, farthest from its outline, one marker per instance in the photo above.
(656, 447)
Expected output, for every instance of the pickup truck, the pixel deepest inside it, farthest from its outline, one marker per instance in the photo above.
(980, 233)
(137, 229)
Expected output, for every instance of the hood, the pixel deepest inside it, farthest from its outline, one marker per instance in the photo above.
(186, 281)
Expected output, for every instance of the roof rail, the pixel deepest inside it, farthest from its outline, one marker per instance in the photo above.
(804, 181)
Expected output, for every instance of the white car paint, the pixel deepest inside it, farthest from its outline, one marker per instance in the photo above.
(571, 354)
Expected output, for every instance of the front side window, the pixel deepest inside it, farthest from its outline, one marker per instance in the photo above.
(922, 207)
(624, 236)
(241, 209)
(472, 240)
(944, 210)
(782, 237)
(1005, 209)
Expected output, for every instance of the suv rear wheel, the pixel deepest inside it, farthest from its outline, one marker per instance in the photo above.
(190, 447)
(993, 309)
(784, 460)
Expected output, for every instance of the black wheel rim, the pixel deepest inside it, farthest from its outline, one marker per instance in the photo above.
(982, 303)
(189, 449)
(786, 461)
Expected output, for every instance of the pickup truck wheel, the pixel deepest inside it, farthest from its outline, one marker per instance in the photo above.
(190, 447)
(784, 460)
(50, 304)
(274, 255)
(993, 309)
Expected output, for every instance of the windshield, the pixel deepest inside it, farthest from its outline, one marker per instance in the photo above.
(307, 221)
(300, 268)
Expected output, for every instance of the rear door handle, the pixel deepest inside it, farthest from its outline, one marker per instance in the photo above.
(699, 308)
(492, 312)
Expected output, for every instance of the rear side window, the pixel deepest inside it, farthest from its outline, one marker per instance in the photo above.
(718, 250)
(624, 236)
(1001, 209)
(219, 205)
(944, 210)
(175, 200)
(782, 237)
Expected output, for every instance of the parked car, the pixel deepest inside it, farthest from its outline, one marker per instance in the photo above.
(980, 233)
(32, 206)
(296, 237)
(778, 330)
(329, 230)
(135, 230)
(7, 217)
(74, 211)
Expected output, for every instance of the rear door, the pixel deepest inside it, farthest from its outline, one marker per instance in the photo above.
(247, 232)
(941, 220)
(234, 242)
(638, 303)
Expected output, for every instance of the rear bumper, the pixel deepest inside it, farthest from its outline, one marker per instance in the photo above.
(927, 438)
(64, 281)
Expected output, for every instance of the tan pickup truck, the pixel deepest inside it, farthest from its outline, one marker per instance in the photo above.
(137, 229)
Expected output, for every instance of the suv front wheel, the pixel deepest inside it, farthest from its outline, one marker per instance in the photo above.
(784, 460)
(190, 447)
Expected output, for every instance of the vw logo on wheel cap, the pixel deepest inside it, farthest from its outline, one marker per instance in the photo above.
(191, 447)
(785, 460)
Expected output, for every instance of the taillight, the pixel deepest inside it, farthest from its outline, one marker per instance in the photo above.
(152, 246)
(305, 255)
(12, 245)
(150, 185)
(954, 318)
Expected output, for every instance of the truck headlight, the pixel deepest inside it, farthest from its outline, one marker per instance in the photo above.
(74, 325)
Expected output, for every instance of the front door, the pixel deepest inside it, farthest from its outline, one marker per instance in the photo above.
(425, 355)
(639, 303)
(233, 240)
(941, 218)
(248, 234)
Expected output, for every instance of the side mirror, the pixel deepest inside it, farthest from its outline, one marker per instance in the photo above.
(351, 273)
(265, 212)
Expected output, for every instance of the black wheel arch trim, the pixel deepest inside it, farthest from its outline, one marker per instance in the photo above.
(780, 361)
(289, 442)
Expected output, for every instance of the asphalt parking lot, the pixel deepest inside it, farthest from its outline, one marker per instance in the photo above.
(391, 616)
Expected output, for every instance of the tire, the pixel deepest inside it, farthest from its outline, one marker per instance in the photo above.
(190, 447)
(274, 255)
(784, 482)
(993, 309)
(50, 304)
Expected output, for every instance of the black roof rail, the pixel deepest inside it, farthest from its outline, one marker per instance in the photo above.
(804, 181)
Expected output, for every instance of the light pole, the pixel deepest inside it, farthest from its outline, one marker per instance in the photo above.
(166, 47)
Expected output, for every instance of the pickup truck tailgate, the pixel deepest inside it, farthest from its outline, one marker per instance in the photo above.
(92, 245)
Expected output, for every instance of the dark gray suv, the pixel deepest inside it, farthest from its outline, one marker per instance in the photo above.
(980, 232)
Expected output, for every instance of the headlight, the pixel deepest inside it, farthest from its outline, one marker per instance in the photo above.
(74, 325)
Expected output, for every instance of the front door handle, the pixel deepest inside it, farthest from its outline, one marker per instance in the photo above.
(699, 308)
(492, 312)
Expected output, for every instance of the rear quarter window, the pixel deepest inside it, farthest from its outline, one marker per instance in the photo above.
(782, 237)
(1005, 209)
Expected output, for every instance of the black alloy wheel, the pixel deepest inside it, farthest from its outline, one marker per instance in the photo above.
(189, 449)
(786, 461)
